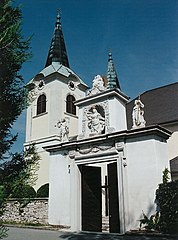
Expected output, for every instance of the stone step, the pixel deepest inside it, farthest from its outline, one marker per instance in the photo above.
(105, 224)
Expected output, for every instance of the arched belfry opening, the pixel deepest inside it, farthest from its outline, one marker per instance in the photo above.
(41, 104)
(70, 106)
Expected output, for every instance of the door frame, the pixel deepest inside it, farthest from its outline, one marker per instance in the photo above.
(121, 182)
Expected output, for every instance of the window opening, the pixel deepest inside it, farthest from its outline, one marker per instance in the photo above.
(70, 107)
(41, 104)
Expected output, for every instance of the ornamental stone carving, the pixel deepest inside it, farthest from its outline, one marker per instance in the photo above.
(137, 114)
(63, 126)
(98, 86)
(96, 123)
(72, 154)
(32, 95)
(95, 148)
(119, 146)
(87, 121)
(34, 92)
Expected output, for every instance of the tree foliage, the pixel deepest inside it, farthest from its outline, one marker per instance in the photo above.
(167, 201)
(166, 218)
(19, 172)
(14, 51)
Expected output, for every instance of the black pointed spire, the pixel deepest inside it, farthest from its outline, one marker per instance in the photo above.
(57, 51)
(112, 80)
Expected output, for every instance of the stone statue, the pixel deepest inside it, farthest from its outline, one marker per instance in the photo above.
(98, 86)
(63, 130)
(137, 114)
(96, 122)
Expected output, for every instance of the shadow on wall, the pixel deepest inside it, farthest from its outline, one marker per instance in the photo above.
(151, 209)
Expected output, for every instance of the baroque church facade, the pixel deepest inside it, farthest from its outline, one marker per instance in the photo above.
(100, 153)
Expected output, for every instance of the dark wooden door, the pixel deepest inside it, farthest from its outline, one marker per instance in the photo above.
(91, 198)
(114, 222)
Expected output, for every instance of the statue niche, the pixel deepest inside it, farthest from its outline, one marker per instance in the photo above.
(96, 119)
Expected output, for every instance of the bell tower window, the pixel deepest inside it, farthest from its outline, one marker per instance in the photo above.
(70, 107)
(41, 104)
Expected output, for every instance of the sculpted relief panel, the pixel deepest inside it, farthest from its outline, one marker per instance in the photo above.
(96, 122)
(95, 119)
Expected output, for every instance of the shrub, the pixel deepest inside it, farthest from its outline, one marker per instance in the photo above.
(43, 191)
(24, 191)
(166, 218)
(167, 202)
(150, 223)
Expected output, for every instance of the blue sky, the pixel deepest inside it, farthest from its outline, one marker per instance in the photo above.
(142, 34)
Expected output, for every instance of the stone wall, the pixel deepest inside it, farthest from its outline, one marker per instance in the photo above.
(35, 212)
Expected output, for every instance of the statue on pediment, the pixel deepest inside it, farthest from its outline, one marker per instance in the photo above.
(96, 123)
(137, 114)
(98, 86)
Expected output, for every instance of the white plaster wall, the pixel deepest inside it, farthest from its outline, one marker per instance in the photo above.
(80, 120)
(43, 126)
(75, 181)
(146, 159)
(56, 90)
(40, 127)
(173, 145)
(117, 114)
(43, 171)
(59, 91)
(59, 190)
(28, 123)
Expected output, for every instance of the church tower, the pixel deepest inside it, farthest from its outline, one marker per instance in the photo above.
(52, 94)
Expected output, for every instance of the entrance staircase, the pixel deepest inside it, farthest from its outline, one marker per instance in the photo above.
(105, 223)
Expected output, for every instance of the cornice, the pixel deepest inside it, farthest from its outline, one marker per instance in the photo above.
(121, 135)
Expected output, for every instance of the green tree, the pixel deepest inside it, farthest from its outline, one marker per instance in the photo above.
(14, 51)
(19, 172)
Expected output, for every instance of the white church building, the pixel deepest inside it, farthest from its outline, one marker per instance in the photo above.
(98, 154)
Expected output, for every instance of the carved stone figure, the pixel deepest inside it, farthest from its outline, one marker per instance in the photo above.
(96, 122)
(63, 129)
(32, 95)
(137, 114)
(98, 86)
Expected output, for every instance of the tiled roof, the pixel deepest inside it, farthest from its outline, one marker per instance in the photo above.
(161, 105)
(112, 79)
(57, 51)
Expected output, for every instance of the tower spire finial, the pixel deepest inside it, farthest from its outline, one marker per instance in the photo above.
(113, 81)
(57, 51)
